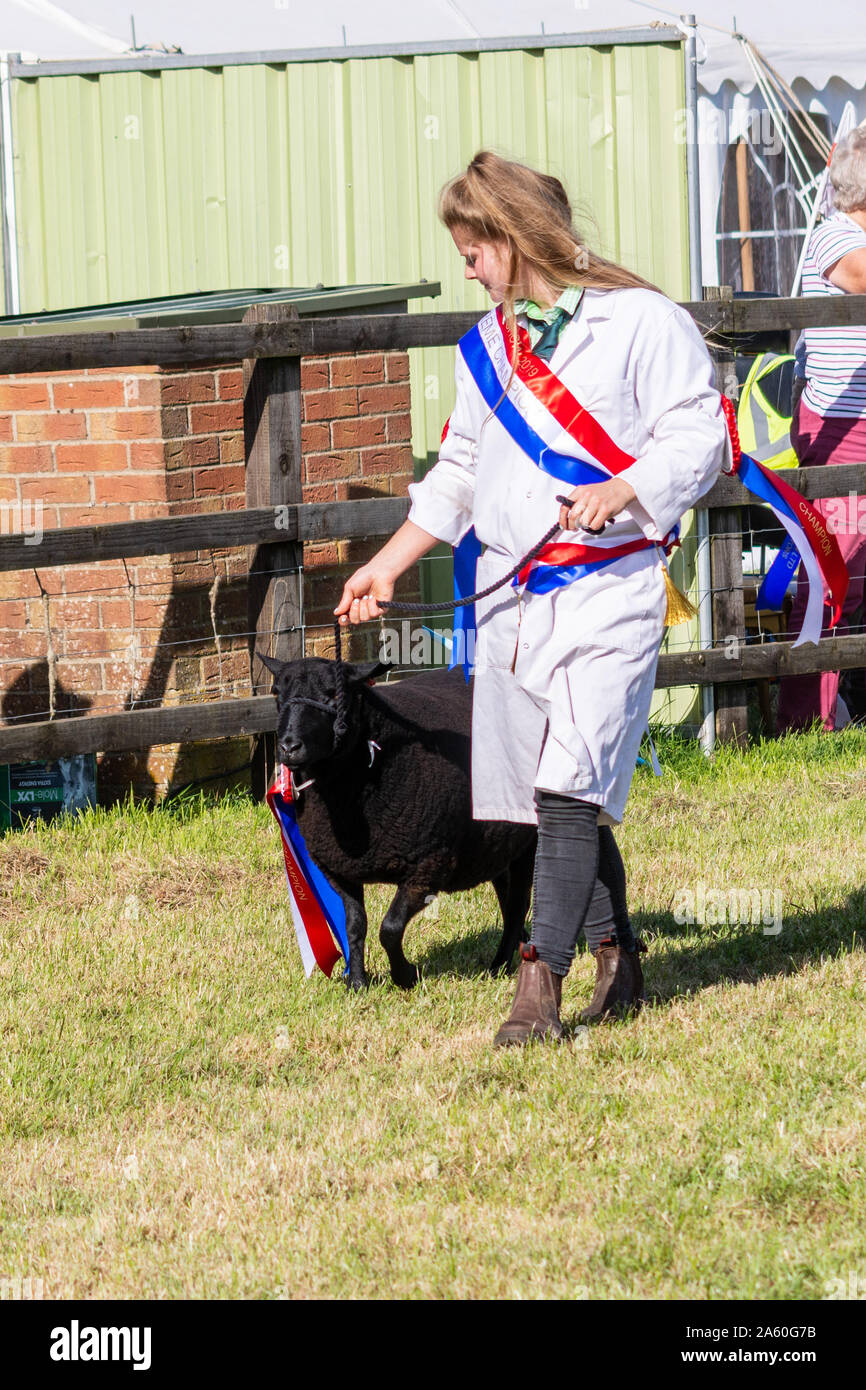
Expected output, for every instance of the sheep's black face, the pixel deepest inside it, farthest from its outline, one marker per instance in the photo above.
(305, 732)
(308, 708)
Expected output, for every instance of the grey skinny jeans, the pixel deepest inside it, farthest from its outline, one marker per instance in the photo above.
(579, 882)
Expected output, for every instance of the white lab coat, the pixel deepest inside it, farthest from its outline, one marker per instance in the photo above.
(564, 679)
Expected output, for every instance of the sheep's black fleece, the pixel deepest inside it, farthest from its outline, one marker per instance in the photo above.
(407, 817)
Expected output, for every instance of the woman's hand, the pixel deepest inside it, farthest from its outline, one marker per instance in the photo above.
(593, 504)
(374, 582)
(362, 591)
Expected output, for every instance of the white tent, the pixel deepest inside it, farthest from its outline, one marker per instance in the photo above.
(817, 45)
(819, 50)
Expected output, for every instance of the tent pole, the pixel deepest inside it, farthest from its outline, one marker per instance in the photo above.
(747, 266)
(696, 279)
(692, 179)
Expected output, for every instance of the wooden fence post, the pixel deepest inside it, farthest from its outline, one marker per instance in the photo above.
(272, 448)
(726, 569)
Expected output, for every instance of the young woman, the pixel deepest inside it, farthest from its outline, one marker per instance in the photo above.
(582, 363)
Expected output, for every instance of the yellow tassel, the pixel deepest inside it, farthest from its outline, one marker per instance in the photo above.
(680, 609)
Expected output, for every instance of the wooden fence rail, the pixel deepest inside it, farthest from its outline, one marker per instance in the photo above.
(308, 521)
(313, 521)
(275, 522)
(234, 342)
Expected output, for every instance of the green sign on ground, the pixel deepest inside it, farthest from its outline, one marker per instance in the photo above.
(41, 791)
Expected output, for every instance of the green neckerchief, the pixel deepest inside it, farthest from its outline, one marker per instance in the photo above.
(545, 325)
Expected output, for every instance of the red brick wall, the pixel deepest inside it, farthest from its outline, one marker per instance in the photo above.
(102, 446)
(355, 439)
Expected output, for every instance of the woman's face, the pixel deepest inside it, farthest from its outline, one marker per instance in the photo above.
(486, 262)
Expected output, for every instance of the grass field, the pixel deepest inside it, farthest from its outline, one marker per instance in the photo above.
(183, 1115)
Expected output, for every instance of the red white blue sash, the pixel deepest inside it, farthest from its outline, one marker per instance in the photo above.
(317, 911)
(487, 351)
(808, 541)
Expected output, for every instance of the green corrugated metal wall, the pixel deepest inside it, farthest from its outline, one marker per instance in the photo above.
(138, 184)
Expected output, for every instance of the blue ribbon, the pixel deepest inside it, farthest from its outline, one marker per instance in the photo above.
(774, 585)
(546, 577)
(328, 899)
(778, 577)
(562, 466)
(465, 561)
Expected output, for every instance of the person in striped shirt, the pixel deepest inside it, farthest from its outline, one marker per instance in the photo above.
(829, 423)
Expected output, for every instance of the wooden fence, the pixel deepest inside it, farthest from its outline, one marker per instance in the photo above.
(276, 523)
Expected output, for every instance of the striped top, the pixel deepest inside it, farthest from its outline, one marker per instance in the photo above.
(835, 357)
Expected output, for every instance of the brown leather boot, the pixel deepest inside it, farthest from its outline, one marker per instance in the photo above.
(535, 1011)
(618, 983)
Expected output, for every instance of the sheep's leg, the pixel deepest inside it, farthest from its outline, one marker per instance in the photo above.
(352, 895)
(513, 888)
(406, 902)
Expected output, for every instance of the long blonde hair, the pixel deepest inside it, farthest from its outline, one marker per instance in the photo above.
(499, 200)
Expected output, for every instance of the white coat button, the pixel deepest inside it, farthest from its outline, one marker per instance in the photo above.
(529, 494)
(526, 646)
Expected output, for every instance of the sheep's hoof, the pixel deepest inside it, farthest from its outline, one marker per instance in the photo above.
(406, 976)
(357, 983)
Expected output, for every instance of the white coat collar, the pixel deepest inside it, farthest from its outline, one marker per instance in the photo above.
(597, 306)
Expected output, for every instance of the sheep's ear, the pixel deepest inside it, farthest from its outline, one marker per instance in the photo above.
(367, 671)
(274, 666)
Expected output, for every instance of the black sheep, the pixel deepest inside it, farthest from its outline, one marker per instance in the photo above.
(389, 799)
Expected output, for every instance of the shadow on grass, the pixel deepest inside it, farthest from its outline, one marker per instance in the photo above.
(683, 959)
(469, 955)
(696, 957)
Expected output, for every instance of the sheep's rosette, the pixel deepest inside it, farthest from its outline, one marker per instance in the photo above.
(317, 911)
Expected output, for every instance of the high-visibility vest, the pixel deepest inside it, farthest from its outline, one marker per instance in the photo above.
(764, 410)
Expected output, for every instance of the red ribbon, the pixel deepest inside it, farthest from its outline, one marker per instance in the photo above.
(576, 420)
(573, 553)
(825, 546)
(822, 542)
(565, 408)
(307, 905)
(733, 430)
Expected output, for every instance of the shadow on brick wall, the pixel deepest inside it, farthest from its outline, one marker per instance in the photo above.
(187, 665)
(28, 698)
